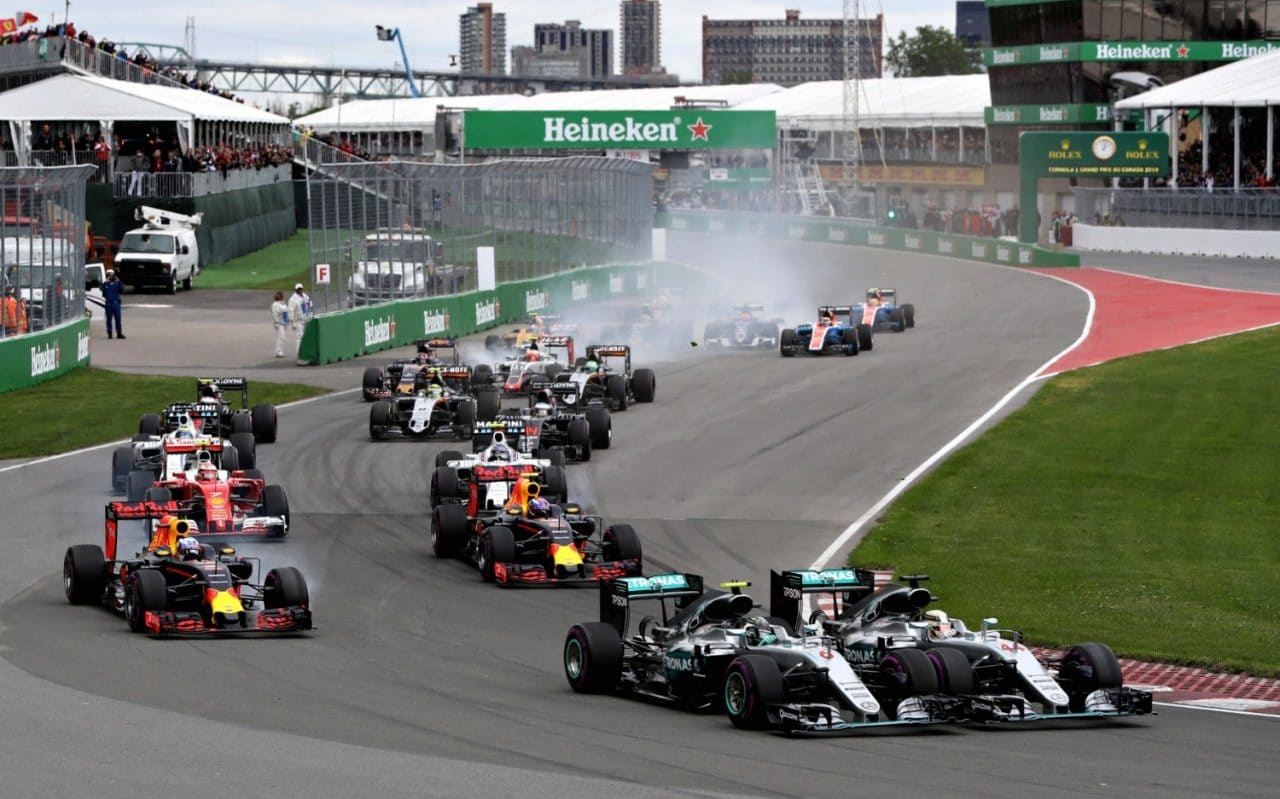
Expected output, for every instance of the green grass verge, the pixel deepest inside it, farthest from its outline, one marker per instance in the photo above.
(52, 417)
(276, 266)
(1134, 503)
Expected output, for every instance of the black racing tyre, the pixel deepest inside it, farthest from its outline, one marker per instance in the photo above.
(488, 403)
(580, 437)
(615, 388)
(465, 415)
(121, 465)
(150, 424)
(751, 684)
(448, 530)
(644, 384)
(446, 455)
(241, 423)
(253, 474)
(276, 503)
(140, 437)
(955, 672)
(497, 545)
(766, 332)
(444, 484)
(230, 458)
(379, 419)
(137, 483)
(265, 423)
(909, 672)
(601, 423)
(285, 587)
(555, 487)
(897, 320)
(849, 340)
(493, 342)
(482, 375)
(246, 447)
(909, 315)
(1086, 668)
(158, 495)
(593, 658)
(557, 458)
(787, 342)
(864, 337)
(84, 574)
(371, 384)
(621, 543)
(145, 591)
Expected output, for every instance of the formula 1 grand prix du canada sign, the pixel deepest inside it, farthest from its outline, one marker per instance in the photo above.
(678, 129)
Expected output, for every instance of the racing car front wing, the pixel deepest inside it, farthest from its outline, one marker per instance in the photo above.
(272, 621)
(530, 574)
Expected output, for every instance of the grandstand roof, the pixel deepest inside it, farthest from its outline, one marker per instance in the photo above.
(1252, 82)
(398, 114)
(81, 97)
(884, 102)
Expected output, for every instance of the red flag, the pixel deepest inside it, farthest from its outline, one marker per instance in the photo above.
(25, 18)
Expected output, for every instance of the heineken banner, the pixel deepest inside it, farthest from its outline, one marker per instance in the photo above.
(718, 179)
(681, 129)
(1124, 51)
(36, 357)
(1073, 114)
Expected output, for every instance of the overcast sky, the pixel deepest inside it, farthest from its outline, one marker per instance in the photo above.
(328, 32)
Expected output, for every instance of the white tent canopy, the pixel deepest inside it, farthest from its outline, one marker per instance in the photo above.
(1253, 82)
(946, 101)
(79, 97)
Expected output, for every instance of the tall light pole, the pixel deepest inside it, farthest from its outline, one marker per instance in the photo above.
(386, 35)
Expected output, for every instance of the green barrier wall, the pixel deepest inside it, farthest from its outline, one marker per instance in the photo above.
(348, 334)
(37, 357)
(235, 222)
(973, 248)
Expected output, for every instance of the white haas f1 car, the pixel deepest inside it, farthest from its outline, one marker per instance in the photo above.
(998, 675)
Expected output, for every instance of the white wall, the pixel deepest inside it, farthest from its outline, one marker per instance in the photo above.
(1178, 241)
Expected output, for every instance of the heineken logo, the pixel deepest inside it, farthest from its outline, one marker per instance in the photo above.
(45, 359)
(535, 300)
(1052, 113)
(1233, 50)
(379, 331)
(1053, 53)
(82, 347)
(796, 231)
(642, 280)
(561, 129)
(1024, 255)
(911, 242)
(580, 290)
(875, 239)
(1004, 115)
(1004, 57)
(616, 284)
(486, 312)
(435, 322)
(1136, 51)
(978, 251)
(837, 234)
(716, 226)
(1003, 253)
(944, 246)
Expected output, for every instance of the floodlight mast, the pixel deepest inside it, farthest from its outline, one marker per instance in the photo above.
(386, 35)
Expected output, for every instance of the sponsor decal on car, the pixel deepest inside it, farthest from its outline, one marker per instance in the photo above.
(45, 359)
(678, 662)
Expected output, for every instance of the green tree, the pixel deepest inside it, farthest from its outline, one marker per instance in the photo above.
(932, 51)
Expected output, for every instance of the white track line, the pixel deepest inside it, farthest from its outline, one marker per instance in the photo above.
(1228, 711)
(1183, 282)
(117, 442)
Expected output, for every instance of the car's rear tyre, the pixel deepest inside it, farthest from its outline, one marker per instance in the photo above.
(621, 543)
(849, 340)
(751, 684)
(897, 320)
(121, 465)
(1086, 668)
(909, 672)
(557, 458)
(488, 403)
(497, 545)
(446, 455)
(593, 658)
(379, 419)
(146, 591)
(371, 384)
(955, 673)
(555, 487)
(601, 423)
(909, 315)
(229, 459)
(787, 343)
(253, 474)
(615, 388)
(580, 437)
(444, 484)
(644, 383)
(150, 424)
(864, 337)
(246, 448)
(137, 483)
(241, 423)
(465, 417)
(448, 530)
(285, 587)
(84, 574)
(265, 423)
(276, 503)
(160, 496)
(482, 375)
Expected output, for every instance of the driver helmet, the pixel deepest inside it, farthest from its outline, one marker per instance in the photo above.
(498, 453)
(592, 365)
(829, 318)
(185, 428)
(760, 632)
(189, 548)
(544, 404)
(532, 354)
(939, 625)
(539, 508)
(435, 390)
(209, 392)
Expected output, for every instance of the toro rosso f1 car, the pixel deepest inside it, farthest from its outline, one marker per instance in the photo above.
(835, 333)
(1000, 677)
(179, 586)
(709, 650)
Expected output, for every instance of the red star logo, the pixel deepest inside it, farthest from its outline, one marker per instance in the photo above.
(1183, 51)
(699, 130)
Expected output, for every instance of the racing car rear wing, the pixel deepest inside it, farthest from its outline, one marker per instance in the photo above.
(144, 510)
(240, 384)
(749, 307)
(787, 589)
(835, 310)
(512, 429)
(425, 344)
(616, 595)
(557, 342)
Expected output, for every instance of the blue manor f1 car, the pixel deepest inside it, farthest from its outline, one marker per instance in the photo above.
(837, 332)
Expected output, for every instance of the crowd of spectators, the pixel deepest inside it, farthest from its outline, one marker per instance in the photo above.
(1220, 174)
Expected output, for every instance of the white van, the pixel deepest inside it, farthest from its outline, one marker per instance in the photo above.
(162, 253)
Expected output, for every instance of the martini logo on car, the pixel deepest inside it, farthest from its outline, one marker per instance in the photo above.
(581, 290)
(82, 347)
(535, 300)
(486, 312)
(45, 359)
(562, 129)
(435, 322)
(616, 284)
(379, 331)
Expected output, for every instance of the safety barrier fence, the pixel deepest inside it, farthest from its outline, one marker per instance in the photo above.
(37, 357)
(358, 331)
(856, 234)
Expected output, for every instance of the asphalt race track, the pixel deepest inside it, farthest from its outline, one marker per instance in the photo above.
(422, 680)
